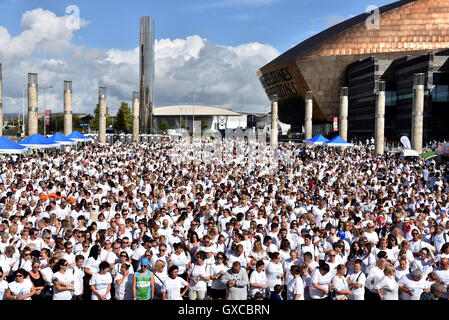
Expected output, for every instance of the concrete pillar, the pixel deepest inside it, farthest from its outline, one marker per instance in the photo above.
(1, 102)
(274, 122)
(308, 115)
(67, 107)
(380, 119)
(418, 112)
(343, 126)
(32, 103)
(136, 106)
(102, 115)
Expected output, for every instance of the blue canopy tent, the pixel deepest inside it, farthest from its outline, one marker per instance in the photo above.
(9, 147)
(37, 141)
(317, 140)
(61, 139)
(76, 136)
(338, 142)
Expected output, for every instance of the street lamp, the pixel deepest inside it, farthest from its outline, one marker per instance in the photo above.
(193, 112)
(23, 112)
(45, 127)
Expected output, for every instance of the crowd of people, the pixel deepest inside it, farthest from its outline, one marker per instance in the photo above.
(218, 220)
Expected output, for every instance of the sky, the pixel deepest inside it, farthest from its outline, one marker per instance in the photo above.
(206, 49)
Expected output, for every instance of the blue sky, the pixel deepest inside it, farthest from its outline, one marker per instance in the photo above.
(113, 24)
(210, 49)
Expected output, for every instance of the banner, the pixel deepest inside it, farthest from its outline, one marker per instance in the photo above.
(47, 117)
(335, 124)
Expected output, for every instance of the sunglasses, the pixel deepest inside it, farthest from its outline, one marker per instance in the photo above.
(124, 255)
(19, 276)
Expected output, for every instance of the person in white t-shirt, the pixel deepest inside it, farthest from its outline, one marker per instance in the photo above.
(412, 285)
(274, 271)
(63, 282)
(123, 283)
(295, 287)
(218, 269)
(258, 279)
(321, 278)
(171, 288)
(356, 281)
(20, 288)
(100, 283)
(387, 288)
(340, 285)
(3, 285)
(198, 276)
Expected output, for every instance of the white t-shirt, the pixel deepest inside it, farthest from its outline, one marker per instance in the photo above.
(195, 271)
(3, 287)
(101, 282)
(216, 271)
(272, 271)
(172, 288)
(158, 282)
(340, 284)
(93, 264)
(321, 280)
(357, 293)
(258, 278)
(78, 275)
(388, 288)
(416, 287)
(443, 275)
(180, 261)
(294, 287)
(124, 291)
(67, 278)
(17, 288)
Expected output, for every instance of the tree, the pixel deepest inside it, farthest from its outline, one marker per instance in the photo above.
(94, 123)
(183, 125)
(164, 126)
(124, 119)
(203, 124)
(154, 125)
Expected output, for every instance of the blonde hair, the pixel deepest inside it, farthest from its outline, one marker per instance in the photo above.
(158, 264)
(389, 270)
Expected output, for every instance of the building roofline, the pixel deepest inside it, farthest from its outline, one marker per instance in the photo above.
(321, 37)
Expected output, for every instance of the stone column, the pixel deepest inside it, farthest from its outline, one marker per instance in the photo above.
(380, 119)
(343, 127)
(274, 122)
(308, 115)
(136, 106)
(418, 112)
(102, 115)
(32, 103)
(67, 107)
(1, 102)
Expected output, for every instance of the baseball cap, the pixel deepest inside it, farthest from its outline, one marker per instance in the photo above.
(145, 262)
(341, 234)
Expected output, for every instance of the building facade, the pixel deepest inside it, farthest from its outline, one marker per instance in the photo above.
(406, 29)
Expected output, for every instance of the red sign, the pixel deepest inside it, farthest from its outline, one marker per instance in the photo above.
(47, 117)
(335, 124)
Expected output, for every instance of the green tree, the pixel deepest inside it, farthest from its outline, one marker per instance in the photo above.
(155, 126)
(203, 124)
(124, 119)
(94, 123)
(164, 126)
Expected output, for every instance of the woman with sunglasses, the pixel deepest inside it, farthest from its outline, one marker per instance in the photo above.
(123, 283)
(20, 288)
(218, 269)
(24, 260)
(63, 281)
(38, 280)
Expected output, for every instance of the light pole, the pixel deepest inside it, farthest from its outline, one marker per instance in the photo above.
(45, 127)
(193, 112)
(23, 112)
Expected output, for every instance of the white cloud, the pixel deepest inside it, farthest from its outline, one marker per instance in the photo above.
(215, 75)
